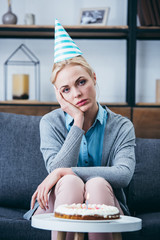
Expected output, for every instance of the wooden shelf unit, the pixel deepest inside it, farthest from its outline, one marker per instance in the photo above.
(130, 32)
(148, 33)
(78, 31)
(40, 108)
(47, 32)
(145, 116)
(146, 119)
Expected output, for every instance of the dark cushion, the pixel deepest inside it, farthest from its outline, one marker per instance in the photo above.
(150, 225)
(144, 189)
(13, 226)
(21, 163)
(150, 228)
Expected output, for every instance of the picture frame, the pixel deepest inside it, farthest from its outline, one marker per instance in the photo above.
(94, 16)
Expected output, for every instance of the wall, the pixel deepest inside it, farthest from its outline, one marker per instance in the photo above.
(148, 70)
(107, 57)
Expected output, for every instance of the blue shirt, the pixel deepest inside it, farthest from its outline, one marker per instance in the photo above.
(92, 142)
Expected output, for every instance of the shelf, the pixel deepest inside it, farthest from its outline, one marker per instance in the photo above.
(28, 103)
(148, 33)
(93, 32)
(38, 103)
(130, 32)
(47, 32)
(142, 104)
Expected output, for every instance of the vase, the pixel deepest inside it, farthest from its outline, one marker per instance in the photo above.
(9, 17)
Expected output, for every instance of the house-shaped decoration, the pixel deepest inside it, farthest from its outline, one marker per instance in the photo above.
(24, 63)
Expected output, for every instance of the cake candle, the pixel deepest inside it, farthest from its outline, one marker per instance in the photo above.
(87, 200)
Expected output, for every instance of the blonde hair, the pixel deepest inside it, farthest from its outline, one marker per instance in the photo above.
(79, 60)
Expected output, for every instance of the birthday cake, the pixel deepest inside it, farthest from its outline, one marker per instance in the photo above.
(87, 212)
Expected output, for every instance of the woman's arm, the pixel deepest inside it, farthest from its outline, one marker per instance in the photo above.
(60, 150)
(59, 147)
(69, 108)
(41, 193)
(119, 163)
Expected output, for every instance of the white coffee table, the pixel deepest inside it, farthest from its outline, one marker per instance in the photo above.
(49, 222)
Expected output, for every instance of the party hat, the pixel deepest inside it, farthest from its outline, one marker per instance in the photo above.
(64, 48)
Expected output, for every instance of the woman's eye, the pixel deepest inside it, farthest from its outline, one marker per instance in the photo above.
(82, 82)
(65, 90)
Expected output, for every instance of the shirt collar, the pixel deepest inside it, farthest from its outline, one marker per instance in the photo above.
(100, 117)
(101, 114)
(69, 121)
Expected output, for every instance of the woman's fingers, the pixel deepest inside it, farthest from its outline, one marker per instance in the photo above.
(41, 194)
(66, 106)
(40, 199)
(46, 199)
(58, 95)
(33, 199)
(60, 99)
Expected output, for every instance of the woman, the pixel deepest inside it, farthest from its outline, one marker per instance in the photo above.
(86, 148)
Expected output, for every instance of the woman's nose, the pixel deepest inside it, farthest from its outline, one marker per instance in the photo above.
(76, 92)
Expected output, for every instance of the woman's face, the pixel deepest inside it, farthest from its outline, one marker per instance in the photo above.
(77, 87)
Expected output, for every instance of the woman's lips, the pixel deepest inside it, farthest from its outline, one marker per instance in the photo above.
(82, 102)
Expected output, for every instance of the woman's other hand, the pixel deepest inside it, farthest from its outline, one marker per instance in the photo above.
(41, 194)
(69, 108)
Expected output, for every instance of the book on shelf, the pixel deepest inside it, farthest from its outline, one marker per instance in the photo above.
(156, 6)
(158, 91)
(149, 4)
(145, 13)
(140, 13)
(149, 12)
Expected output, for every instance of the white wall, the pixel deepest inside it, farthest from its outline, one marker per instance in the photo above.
(67, 11)
(107, 57)
(148, 70)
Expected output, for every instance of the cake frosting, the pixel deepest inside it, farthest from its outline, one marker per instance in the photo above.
(87, 212)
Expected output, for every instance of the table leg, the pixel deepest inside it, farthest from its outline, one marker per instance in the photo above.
(117, 236)
(61, 235)
(79, 236)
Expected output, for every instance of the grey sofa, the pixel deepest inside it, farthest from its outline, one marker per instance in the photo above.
(22, 169)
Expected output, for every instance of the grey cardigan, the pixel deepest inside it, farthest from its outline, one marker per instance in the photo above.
(60, 148)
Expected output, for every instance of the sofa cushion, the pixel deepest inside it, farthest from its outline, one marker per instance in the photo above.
(13, 226)
(150, 228)
(144, 189)
(11, 213)
(21, 163)
(150, 225)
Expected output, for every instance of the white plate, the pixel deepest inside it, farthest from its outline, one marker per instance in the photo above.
(86, 221)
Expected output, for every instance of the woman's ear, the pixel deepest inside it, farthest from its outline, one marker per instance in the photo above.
(94, 78)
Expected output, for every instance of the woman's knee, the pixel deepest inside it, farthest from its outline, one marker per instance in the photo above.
(70, 181)
(99, 183)
(70, 187)
(100, 191)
